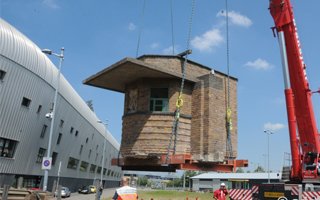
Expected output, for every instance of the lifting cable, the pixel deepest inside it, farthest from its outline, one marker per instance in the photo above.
(228, 111)
(179, 102)
(141, 27)
(172, 30)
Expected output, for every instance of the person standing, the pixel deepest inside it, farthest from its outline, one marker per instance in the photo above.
(125, 192)
(221, 193)
(99, 191)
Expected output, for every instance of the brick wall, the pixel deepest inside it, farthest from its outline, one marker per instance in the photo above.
(202, 129)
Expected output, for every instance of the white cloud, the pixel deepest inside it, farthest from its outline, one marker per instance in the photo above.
(208, 40)
(51, 4)
(132, 26)
(168, 51)
(155, 45)
(273, 127)
(259, 64)
(236, 18)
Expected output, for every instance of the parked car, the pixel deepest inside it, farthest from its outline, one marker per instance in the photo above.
(93, 188)
(65, 192)
(85, 190)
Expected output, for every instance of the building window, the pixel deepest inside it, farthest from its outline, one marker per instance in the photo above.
(71, 130)
(159, 99)
(73, 163)
(96, 157)
(84, 166)
(59, 138)
(108, 172)
(81, 147)
(54, 157)
(2, 74)
(92, 168)
(76, 134)
(43, 131)
(99, 170)
(7, 147)
(26, 102)
(87, 140)
(41, 154)
(104, 171)
(61, 123)
(89, 153)
(39, 109)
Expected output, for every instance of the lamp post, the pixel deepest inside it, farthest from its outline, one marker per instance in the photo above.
(268, 132)
(104, 148)
(52, 114)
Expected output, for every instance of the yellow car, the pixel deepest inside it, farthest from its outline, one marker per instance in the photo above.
(92, 189)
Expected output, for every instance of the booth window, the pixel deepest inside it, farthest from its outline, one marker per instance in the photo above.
(159, 99)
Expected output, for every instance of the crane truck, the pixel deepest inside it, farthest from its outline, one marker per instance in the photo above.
(303, 132)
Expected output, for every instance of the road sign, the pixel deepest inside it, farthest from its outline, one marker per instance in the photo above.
(46, 163)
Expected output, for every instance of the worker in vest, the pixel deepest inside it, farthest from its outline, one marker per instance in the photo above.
(221, 193)
(125, 192)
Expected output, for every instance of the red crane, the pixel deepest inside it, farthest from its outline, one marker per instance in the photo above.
(304, 136)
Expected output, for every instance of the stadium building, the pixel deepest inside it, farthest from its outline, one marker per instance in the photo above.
(27, 86)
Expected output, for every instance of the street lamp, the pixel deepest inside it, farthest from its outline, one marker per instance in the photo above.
(268, 132)
(104, 148)
(52, 114)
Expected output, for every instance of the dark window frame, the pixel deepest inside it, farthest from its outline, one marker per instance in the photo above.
(61, 123)
(2, 74)
(84, 166)
(8, 147)
(93, 168)
(43, 131)
(54, 156)
(26, 102)
(59, 138)
(39, 109)
(41, 154)
(73, 163)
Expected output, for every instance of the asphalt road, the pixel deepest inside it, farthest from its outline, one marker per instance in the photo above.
(106, 193)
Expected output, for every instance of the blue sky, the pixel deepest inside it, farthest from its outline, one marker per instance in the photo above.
(98, 33)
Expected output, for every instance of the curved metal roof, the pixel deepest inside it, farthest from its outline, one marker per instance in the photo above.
(19, 49)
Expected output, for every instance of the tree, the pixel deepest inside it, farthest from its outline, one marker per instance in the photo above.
(187, 175)
(143, 181)
(240, 170)
(90, 105)
(259, 169)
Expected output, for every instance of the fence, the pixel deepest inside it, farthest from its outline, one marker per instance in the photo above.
(8, 193)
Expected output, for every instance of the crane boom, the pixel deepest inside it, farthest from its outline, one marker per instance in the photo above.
(304, 136)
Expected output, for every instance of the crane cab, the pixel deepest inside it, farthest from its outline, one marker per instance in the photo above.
(311, 167)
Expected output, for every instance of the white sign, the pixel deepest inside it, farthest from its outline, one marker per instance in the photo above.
(46, 163)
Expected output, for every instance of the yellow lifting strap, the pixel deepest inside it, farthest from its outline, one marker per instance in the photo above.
(179, 102)
(229, 120)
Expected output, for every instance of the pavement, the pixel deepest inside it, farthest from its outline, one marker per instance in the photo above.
(106, 193)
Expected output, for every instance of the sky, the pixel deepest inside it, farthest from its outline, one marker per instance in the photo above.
(98, 33)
